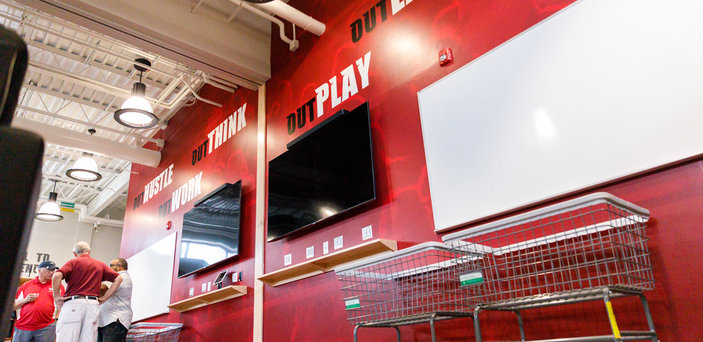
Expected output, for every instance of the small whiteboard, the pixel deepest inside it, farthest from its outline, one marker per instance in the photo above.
(152, 273)
(601, 90)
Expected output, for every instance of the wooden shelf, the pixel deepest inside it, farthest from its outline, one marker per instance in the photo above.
(328, 262)
(211, 297)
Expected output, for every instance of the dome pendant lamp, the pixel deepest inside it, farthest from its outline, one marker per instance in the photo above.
(50, 211)
(84, 169)
(136, 111)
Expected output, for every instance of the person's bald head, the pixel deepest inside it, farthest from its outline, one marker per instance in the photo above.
(118, 264)
(81, 247)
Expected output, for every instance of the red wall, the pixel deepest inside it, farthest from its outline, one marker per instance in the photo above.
(232, 161)
(404, 59)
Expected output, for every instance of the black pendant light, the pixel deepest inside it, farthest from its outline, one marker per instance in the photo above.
(136, 111)
(50, 210)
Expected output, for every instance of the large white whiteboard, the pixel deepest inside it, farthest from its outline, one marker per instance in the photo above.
(152, 273)
(598, 91)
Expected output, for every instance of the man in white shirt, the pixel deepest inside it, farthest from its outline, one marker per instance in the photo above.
(115, 314)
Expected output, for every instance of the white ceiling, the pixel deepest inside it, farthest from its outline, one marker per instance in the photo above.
(79, 75)
(223, 38)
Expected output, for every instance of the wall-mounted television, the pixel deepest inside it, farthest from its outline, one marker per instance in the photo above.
(326, 171)
(211, 229)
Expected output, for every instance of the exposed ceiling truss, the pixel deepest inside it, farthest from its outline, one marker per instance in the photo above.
(75, 81)
(82, 67)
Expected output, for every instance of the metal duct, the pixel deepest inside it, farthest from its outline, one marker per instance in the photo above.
(291, 14)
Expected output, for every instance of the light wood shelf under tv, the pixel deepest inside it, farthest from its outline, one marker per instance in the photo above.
(328, 262)
(212, 297)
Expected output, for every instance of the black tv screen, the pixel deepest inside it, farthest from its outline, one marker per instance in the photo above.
(324, 172)
(211, 229)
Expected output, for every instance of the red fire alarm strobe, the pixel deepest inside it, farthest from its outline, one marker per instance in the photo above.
(168, 225)
(445, 57)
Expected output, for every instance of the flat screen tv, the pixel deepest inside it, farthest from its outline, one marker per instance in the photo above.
(325, 172)
(211, 230)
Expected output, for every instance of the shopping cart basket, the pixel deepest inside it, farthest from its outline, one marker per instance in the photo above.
(417, 284)
(589, 248)
(154, 332)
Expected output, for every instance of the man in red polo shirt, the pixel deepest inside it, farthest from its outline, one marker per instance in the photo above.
(35, 300)
(78, 321)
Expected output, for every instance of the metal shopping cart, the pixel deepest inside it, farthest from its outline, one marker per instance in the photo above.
(154, 332)
(589, 248)
(414, 285)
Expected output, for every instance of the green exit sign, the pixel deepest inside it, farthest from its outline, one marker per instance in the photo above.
(68, 205)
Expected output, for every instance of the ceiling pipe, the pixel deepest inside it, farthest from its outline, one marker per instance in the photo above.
(195, 93)
(296, 17)
(292, 43)
(89, 143)
(215, 83)
(85, 218)
(214, 78)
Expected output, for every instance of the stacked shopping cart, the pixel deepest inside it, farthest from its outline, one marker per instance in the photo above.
(589, 248)
(154, 332)
(413, 285)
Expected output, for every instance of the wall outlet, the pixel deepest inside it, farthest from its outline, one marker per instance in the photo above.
(209, 285)
(203, 288)
(236, 277)
(366, 233)
(287, 259)
(309, 252)
(339, 242)
(325, 247)
(191, 292)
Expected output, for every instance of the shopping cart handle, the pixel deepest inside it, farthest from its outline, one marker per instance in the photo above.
(642, 214)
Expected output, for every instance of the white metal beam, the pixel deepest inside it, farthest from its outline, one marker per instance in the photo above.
(90, 125)
(89, 143)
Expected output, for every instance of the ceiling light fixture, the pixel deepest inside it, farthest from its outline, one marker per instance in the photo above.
(50, 210)
(136, 111)
(84, 169)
